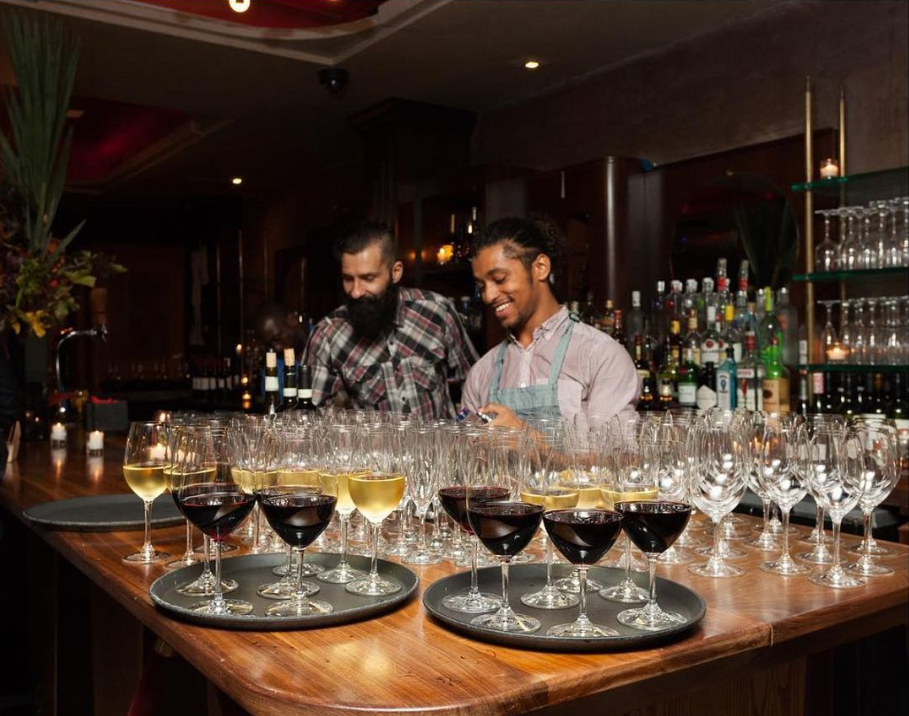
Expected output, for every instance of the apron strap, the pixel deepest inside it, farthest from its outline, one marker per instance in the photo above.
(561, 351)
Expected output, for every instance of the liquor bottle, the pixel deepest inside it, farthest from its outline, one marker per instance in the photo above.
(272, 394)
(669, 369)
(674, 301)
(290, 380)
(221, 376)
(860, 397)
(776, 378)
(688, 378)
(749, 323)
(770, 327)
(304, 392)
(831, 394)
(846, 395)
(690, 297)
(788, 318)
(881, 396)
(634, 322)
(692, 340)
(645, 402)
(898, 412)
(750, 374)
(723, 294)
(803, 408)
(706, 394)
(726, 382)
(589, 311)
(741, 295)
(618, 330)
(732, 337)
(658, 313)
(819, 397)
(607, 320)
(710, 339)
(707, 297)
(760, 301)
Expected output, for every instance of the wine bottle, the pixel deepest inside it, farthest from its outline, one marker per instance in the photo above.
(750, 374)
(898, 411)
(272, 395)
(688, 379)
(290, 380)
(776, 378)
(706, 393)
(304, 393)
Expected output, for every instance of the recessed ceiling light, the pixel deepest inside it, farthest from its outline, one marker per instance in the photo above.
(236, 181)
(532, 64)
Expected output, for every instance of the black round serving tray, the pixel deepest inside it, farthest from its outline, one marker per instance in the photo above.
(524, 578)
(103, 513)
(253, 570)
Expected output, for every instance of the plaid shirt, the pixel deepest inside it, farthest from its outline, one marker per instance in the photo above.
(404, 370)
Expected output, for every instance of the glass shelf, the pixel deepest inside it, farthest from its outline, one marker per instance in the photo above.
(885, 184)
(846, 275)
(851, 368)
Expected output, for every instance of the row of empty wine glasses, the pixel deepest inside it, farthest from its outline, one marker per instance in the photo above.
(867, 237)
(872, 331)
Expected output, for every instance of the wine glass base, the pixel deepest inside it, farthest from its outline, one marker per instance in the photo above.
(368, 587)
(509, 622)
(293, 608)
(483, 560)
(766, 542)
(187, 560)
(776, 529)
(625, 593)
(421, 557)
(837, 579)
(726, 553)
(549, 598)
(309, 570)
(467, 603)
(819, 555)
(143, 557)
(865, 568)
(674, 555)
(572, 585)
(785, 567)
(204, 586)
(237, 607)
(226, 547)
(523, 558)
(649, 620)
(581, 630)
(342, 574)
(875, 551)
(285, 590)
(716, 569)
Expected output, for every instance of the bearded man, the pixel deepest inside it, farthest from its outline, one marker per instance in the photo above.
(387, 347)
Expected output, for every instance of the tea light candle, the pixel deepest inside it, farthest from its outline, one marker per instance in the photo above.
(95, 443)
(58, 435)
(157, 452)
(829, 169)
(837, 354)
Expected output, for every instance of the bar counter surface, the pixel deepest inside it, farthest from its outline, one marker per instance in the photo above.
(753, 650)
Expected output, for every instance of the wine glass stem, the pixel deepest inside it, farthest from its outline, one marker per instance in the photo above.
(766, 504)
(819, 526)
(206, 554)
(189, 540)
(300, 594)
(866, 536)
(627, 558)
(421, 549)
(474, 560)
(505, 604)
(147, 548)
(717, 539)
(345, 525)
(582, 582)
(785, 519)
(217, 603)
(374, 565)
(836, 544)
(651, 575)
(289, 553)
(255, 543)
(548, 560)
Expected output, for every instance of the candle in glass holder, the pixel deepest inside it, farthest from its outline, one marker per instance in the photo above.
(95, 442)
(58, 435)
(837, 354)
(157, 452)
(830, 168)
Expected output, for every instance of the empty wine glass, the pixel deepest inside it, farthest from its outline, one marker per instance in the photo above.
(753, 426)
(828, 333)
(847, 334)
(421, 446)
(850, 249)
(825, 428)
(826, 253)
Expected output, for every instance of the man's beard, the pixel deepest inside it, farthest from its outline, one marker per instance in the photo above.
(370, 316)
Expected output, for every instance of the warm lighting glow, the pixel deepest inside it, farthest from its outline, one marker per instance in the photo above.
(532, 64)
(445, 254)
(95, 467)
(236, 181)
(837, 354)
(239, 348)
(246, 396)
(58, 434)
(95, 442)
(829, 169)
(239, 5)
(244, 380)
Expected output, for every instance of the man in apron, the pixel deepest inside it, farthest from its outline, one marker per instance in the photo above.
(550, 365)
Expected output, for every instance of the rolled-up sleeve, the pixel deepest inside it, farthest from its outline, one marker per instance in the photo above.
(325, 382)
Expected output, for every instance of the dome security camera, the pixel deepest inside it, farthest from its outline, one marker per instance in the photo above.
(334, 79)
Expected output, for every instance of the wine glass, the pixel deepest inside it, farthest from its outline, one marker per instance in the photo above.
(143, 470)
(506, 526)
(544, 485)
(583, 537)
(299, 514)
(421, 446)
(828, 333)
(782, 472)
(216, 504)
(837, 481)
(849, 258)
(670, 464)
(717, 486)
(880, 475)
(826, 252)
(827, 426)
(376, 494)
(469, 448)
(753, 426)
(653, 527)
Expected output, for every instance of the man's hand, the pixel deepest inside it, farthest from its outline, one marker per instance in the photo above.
(505, 417)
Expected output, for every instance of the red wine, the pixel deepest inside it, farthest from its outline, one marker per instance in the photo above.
(217, 514)
(202, 488)
(454, 501)
(583, 536)
(504, 528)
(298, 518)
(654, 526)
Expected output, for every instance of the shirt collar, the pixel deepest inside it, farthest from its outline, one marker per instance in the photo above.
(400, 314)
(546, 328)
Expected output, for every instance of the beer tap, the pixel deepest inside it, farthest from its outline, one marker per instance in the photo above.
(99, 330)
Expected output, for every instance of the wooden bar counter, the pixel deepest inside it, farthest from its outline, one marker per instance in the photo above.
(760, 648)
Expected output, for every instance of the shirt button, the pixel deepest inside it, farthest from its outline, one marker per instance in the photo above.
(523, 385)
(404, 399)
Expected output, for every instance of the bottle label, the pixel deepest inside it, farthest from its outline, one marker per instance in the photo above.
(710, 352)
(706, 397)
(688, 394)
(290, 392)
(645, 374)
(305, 393)
(724, 391)
(817, 381)
(737, 351)
(776, 395)
(271, 384)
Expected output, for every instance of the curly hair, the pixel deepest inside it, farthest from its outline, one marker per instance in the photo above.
(525, 240)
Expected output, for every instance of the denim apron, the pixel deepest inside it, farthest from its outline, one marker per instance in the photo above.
(536, 401)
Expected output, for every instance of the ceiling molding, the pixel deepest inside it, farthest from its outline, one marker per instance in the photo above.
(392, 16)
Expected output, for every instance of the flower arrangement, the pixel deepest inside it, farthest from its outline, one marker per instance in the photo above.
(38, 277)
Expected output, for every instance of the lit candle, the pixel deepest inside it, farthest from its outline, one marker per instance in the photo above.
(829, 169)
(95, 441)
(445, 254)
(157, 453)
(58, 433)
(837, 354)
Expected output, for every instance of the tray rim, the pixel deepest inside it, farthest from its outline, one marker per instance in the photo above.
(267, 624)
(118, 526)
(537, 641)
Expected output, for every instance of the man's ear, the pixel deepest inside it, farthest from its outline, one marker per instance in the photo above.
(397, 272)
(541, 268)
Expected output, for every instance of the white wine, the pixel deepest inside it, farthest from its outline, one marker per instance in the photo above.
(589, 498)
(376, 494)
(345, 504)
(147, 481)
(308, 476)
(552, 498)
(644, 492)
(175, 479)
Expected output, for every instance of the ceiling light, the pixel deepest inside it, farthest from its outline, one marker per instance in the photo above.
(532, 64)
(236, 181)
(239, 5)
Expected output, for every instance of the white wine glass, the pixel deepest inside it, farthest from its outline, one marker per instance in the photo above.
(143, 468)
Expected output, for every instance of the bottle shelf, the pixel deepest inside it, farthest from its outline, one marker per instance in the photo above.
(852, 368)
(830, 276)
(888, 183)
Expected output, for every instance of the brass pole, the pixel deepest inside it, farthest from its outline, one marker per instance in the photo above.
(809, 223)
(843, 168)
